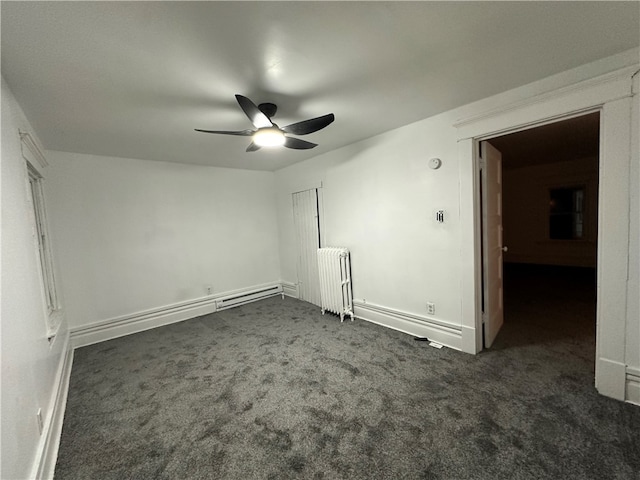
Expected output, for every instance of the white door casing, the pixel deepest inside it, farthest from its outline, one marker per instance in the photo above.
(611, 95)
(492, 248)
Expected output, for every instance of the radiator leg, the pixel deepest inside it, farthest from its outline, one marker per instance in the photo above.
(283, 295)
(323, 311)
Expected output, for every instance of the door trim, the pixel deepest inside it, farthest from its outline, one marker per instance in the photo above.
(611, 96)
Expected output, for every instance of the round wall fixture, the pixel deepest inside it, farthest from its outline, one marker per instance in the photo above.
(435, 163)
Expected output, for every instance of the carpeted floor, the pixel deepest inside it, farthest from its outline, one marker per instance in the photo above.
(275, 390)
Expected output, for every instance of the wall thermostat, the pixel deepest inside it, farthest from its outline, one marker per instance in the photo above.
(435, 163)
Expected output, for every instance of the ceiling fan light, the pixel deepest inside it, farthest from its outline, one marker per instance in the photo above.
(269, 137)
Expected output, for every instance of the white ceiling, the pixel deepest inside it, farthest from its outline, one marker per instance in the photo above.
(133, 79)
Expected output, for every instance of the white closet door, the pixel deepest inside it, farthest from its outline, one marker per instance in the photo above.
(307, 225)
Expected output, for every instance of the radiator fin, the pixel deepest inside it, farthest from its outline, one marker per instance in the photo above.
(334, 271)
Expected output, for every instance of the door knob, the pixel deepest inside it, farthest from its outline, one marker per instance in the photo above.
(504, 249)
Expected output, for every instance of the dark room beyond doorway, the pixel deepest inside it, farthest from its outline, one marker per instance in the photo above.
(550, 215)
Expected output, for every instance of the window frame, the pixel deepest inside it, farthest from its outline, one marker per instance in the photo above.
(34, 162)
(42, 239)
(583, 213)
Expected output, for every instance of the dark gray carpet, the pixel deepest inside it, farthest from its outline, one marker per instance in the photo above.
(274, 390)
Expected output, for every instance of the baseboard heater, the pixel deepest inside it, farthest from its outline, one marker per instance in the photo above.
(335, 281)
(246, 297)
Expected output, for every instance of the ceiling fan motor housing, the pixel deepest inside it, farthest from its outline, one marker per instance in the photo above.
(269, 109)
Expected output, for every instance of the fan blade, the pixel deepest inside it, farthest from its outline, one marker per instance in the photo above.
(259, 119)
(298, 144)
(253, 147)
(309, 126)
(244, 133)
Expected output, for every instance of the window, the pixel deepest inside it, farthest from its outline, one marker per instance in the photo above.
(44, 251)
(35, 159)
(566, 213)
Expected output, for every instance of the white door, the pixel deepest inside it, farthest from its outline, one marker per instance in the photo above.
(306, 220)
(492, 248)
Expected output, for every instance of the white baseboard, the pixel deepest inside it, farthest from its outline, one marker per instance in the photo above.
(440, 331)
(48, 449)
(138, 322)
(290, 289)
(157, 317)
(633, 386)
(611, 378)
(470, 342)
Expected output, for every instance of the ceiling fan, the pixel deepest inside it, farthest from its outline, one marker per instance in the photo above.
(267, 133)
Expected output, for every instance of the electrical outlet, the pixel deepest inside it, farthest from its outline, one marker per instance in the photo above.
(431, 308)
(40, 423)
(209, 289)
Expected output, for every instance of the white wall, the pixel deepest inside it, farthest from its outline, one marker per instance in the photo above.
(380, 199)
(137, 235)
(526, 213)
(30, 365)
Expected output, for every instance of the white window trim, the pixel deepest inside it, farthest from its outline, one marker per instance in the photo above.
(31, 152)
(51, 304)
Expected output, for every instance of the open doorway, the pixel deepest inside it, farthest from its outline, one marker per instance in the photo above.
(612, 96)
(549, 182)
